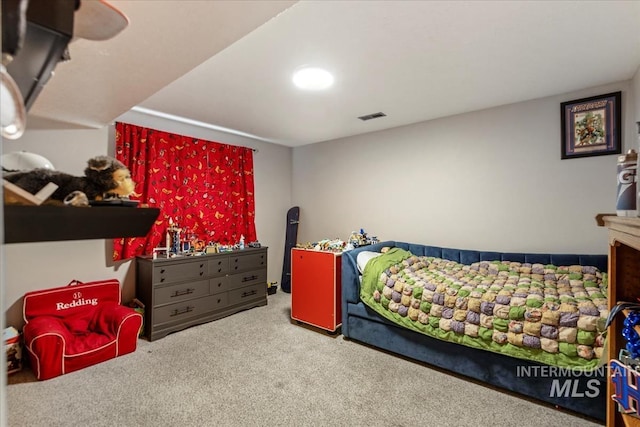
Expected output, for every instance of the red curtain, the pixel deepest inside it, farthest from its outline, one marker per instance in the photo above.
(203, 186)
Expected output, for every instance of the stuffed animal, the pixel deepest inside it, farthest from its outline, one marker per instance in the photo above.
(104, 178)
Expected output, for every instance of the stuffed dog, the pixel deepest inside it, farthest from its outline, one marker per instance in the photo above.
(104, 178)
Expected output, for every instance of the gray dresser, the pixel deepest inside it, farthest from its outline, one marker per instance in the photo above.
(186, 291)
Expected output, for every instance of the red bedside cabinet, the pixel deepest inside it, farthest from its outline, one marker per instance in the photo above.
(316, 288)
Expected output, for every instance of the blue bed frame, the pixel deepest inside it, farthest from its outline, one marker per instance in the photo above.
(581, 392)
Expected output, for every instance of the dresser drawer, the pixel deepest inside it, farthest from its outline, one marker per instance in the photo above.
(189, 309)
(237, 296)
(248, 278)
(180, 292)
(218, 266)
(176, 272)
(218, 284)
(247, 262)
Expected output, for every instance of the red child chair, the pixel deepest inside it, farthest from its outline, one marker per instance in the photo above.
(75, 326)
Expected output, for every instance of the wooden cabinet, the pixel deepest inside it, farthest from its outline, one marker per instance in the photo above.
(316, 288)
(624, 285)
(186, 291)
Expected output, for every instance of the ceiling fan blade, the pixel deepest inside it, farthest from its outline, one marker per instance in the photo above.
(98, 20)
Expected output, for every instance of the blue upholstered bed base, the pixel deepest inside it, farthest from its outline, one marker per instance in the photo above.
(582, 392)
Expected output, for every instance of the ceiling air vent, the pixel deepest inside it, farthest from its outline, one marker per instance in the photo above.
(372, 116)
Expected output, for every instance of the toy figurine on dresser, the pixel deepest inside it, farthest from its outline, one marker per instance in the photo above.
(173, 237)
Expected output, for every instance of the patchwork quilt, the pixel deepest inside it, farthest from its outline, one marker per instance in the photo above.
(546, 313)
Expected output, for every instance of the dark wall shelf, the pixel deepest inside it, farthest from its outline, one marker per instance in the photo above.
(24, 224)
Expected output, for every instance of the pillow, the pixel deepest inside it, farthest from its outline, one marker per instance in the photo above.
(363, 258)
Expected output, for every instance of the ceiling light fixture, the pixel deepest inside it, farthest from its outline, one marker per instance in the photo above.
(312, 78)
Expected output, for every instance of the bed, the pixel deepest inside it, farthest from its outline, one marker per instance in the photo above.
(532, 324)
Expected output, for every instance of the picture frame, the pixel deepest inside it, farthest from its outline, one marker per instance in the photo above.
(591, 126)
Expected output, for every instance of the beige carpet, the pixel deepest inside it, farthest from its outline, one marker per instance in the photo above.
(258, 368)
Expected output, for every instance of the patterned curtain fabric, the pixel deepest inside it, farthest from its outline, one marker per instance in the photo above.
(202, 186)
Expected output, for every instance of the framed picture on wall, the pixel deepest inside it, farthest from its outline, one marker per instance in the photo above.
(591, 126)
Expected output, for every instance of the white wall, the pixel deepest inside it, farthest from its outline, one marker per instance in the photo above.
(486, 180)
(32, 266)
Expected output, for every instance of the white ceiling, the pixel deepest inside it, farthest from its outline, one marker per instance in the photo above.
(229, 63)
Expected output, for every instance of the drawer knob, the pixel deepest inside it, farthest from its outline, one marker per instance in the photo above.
(162, 279)
(162, 271)
(219, 270)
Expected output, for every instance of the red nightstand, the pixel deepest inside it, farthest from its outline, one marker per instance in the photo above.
(316, 288)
